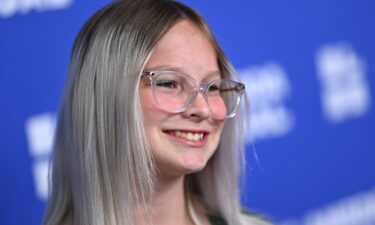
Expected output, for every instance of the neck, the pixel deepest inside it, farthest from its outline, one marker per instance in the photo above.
(169, 205)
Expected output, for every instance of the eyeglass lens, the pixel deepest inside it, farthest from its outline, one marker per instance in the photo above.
(175, 92)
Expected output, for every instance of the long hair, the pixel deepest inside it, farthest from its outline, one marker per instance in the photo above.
(102, 169)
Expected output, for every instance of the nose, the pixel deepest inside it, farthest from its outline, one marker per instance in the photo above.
(199, 109)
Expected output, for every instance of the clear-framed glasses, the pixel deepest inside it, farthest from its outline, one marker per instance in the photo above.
(175, 92)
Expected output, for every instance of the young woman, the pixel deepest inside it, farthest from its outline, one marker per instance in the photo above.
(149, 130)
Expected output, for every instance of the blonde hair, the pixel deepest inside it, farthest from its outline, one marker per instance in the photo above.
(102, 169)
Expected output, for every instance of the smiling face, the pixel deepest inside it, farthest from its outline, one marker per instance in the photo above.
(182, 143)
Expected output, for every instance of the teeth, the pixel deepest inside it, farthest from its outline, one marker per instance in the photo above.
(189, 136)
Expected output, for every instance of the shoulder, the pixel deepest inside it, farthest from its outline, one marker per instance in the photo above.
(249, 218)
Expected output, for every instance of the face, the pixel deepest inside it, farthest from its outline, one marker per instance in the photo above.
(182, 143)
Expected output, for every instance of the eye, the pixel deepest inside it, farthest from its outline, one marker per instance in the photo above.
(167, 84)
(214, 88)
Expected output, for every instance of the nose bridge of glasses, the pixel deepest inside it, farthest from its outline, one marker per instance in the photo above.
(202, 88)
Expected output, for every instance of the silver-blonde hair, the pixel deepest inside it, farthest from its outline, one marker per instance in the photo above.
(102, 169)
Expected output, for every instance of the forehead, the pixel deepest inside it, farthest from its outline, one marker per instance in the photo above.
(186, 47)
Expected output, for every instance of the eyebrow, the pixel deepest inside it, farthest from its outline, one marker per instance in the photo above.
(167, 67)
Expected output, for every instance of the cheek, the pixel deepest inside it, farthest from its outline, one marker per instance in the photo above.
(218, 106)
(150, 112)
(153, 116)
(146, 99)
(220, 124)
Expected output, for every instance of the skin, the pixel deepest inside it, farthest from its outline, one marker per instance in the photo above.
(184, 48)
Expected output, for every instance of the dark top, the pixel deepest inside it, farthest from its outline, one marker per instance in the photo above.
(215, 220)
(218, 220)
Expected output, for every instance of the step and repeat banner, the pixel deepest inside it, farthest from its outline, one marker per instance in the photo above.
(309, 69)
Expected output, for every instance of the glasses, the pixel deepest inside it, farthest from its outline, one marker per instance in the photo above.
(175, 92)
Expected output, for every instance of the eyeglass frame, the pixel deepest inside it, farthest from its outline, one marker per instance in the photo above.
(198, 87)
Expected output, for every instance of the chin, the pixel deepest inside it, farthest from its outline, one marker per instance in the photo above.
(194, 165)
(180, 163)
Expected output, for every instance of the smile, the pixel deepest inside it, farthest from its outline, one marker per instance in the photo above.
(188, 135)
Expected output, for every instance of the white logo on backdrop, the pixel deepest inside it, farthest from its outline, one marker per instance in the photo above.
(268, 88)
(352, 210)
(344, 88)
(40, 131)
(10, 7)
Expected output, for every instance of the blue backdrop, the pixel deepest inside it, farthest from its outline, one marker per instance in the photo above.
(309, 70)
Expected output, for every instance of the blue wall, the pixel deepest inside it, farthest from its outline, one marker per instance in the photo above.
(309, 67)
